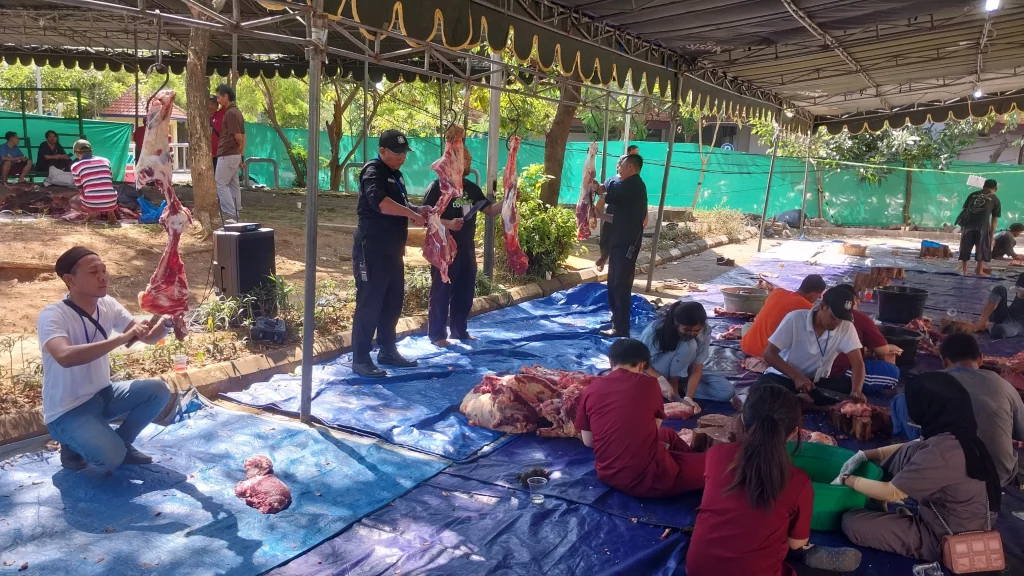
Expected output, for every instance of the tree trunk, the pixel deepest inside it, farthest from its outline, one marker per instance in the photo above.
(268, 107)
(200, 155)
(377, 100)
(994, 157)
(906, 203)
(335, 132)
(705, 157)
(554, 143)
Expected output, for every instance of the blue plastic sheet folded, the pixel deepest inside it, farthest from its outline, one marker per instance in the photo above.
(464, 528)
(419, 407)
(179, 516)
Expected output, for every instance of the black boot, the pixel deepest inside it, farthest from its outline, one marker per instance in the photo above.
(70, 459)
(393, 358)
(368, 369)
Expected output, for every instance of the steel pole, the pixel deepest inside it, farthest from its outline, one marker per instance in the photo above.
(316, 54)
(768, 188)
(39, 90)
(625, 128)
(236, 16)
(493, 139)
(807, 165)
(604, 144)
(366, 100)
(664, 192)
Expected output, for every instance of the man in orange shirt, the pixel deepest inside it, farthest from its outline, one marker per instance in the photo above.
(779, 303)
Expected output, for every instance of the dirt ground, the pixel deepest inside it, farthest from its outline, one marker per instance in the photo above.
(132, 252)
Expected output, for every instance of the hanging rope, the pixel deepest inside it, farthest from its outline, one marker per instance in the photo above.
(158, 66)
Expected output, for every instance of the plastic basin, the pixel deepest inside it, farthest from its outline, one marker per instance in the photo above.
(822, 463)
(744, 299)
(900, 304)
(908, 340)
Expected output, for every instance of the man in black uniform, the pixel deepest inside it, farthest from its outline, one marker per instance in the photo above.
(384, 214)
(450, 302)
(627, 194)
(606, 224)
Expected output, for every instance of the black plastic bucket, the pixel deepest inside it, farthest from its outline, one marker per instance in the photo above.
(900, 304)
(905, 339)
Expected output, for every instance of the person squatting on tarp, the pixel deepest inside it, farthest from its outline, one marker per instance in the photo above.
(627, 194)
(1006, 241)
(619, 416)
(679, 344)
(1006, 317)
(94, 182)
(880, 370)
(76, 336)
(776, 306)
(450, 302)
(998, 408)
(379, 245)
(949, 472)
(757, 506)
(801, 351)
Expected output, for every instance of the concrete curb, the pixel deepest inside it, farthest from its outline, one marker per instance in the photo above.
(237, 374)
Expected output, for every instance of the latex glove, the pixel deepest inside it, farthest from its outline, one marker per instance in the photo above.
(852, 464)
(692, 404)
(667, 391)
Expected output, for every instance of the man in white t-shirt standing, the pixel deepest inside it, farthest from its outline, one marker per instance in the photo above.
(75, 337)
(801, 351)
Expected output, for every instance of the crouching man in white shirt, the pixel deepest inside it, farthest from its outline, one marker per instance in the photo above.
(801, 351)
(75, 337)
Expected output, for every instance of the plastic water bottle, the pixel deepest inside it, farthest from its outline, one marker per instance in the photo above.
(933, 569)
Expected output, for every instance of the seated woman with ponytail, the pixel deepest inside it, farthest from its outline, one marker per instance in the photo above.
(757, 505)
(679, 342)
(949, 472)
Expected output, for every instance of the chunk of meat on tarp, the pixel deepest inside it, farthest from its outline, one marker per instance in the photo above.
(261, 489)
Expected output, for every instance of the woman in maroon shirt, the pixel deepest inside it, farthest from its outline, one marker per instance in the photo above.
(757, 505)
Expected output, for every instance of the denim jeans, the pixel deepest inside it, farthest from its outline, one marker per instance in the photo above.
(84, 428)
(713, 386)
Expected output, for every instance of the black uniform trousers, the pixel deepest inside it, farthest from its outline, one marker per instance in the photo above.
(621, 271)
(450, 302)
(606, 238)
(380, 292)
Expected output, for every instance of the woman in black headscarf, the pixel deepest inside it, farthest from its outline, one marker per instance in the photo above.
(949, 472)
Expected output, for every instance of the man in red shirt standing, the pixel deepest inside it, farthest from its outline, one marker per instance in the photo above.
(216, 123)
(620, 416)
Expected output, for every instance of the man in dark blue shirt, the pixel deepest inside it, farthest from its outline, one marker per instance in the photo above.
(450, 302)
(626, 194)
(384, 214)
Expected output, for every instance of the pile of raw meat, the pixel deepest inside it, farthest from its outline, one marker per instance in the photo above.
(439, 248)
(586, 211)
(537, 398)
(167, 292)
(261, 489)
(929, 344)
(1010, 368)
(862, 421)
(517, 260)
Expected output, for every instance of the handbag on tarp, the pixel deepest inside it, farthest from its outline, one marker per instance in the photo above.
(970, 552)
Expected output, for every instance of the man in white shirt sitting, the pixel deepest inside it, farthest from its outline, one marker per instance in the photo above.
(75, 337)
(801, 351)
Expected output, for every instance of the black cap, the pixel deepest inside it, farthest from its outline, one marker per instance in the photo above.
(395, 141)
(1020, 280)
(66, 262)
(213, 97)
(839, 301)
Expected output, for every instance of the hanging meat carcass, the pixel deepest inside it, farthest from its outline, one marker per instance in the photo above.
(586, 212)
(439, 248)
(517, 260)
(167, 292)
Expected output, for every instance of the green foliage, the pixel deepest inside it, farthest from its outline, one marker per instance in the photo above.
(291, 100)
(546, 233)
(301, 157)
(913, 146)
(417, 290)
(485, 286)
(222, 313)
(24, 374)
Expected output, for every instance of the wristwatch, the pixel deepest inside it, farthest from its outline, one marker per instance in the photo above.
(842, 479)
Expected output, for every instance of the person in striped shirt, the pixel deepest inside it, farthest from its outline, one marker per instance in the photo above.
(93, 179)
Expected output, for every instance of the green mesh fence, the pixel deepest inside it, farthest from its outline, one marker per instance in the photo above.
(109, 139)
(732, 179)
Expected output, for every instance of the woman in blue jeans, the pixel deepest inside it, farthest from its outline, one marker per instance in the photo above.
(679, 343)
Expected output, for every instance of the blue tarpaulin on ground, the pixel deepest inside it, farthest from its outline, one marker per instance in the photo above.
(419, 407)
(179, 516)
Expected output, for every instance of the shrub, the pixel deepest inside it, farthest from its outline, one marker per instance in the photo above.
(417, 290)
(719, 221)
(546, 233)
